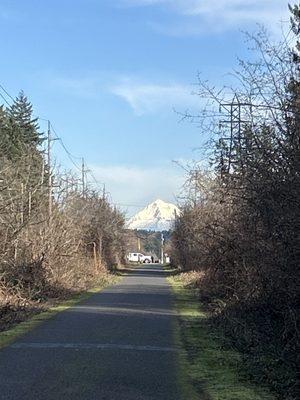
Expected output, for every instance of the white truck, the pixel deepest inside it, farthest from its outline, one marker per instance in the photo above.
(139, 257)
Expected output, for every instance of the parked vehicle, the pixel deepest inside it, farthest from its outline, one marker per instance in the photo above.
(139, 257)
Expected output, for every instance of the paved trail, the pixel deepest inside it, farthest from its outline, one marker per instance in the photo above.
(117, 345)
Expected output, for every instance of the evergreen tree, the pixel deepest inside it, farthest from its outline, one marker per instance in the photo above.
(19, 151)
(4, 137)
(10, 137)
(21, 114)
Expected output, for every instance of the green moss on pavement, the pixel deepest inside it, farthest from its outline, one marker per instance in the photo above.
(208, 368)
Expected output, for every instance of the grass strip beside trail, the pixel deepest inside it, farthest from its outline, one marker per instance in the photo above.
(211, 367)
(12, 334)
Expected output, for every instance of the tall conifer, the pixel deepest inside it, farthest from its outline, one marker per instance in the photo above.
(21, 114)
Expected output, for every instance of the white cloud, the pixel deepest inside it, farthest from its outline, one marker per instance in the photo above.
(206, 16)
(146, 98)
(142, 95)
(133, 185)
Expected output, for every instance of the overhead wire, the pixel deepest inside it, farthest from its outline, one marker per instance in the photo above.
(1, 95)
(71, 156)
(87, 171)
(90, 172)
(6, 92)
(129, 205)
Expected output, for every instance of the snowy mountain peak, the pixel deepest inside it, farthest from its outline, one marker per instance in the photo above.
(157, 216)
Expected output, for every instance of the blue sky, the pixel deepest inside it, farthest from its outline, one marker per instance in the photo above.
(109, 74)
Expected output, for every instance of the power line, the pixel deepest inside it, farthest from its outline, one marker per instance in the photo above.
(6, 92)
(129, 205)
(4, 99)
(85, 170)
(89, 172)
(71, 156)
(43, 119)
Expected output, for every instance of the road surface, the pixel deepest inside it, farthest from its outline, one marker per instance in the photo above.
(117, 345)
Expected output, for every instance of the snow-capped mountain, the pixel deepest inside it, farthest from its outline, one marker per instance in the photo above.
(157, 216)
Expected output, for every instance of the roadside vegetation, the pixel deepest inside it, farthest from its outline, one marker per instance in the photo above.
(237, 239)
(58, 237)
(211, 367)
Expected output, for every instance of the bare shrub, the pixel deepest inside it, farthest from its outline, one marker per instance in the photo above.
(242, 230)
(46, 256)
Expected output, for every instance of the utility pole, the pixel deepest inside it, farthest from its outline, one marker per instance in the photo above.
(49, 139)
(83, 177)
(195, 186)
(29, 204)
(22, 203)
(100, 249)
(43, 173)
(175, 218)
(162, 248)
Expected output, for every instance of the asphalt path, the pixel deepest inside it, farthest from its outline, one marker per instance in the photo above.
(117, 345)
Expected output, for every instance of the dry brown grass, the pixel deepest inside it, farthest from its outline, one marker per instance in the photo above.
(45, 259)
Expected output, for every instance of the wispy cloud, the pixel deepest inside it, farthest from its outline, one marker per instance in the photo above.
(133, 185)
(206, 16)
(150, 97)
(144, 96)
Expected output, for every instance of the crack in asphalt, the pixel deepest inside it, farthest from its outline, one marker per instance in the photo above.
(92, 346)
